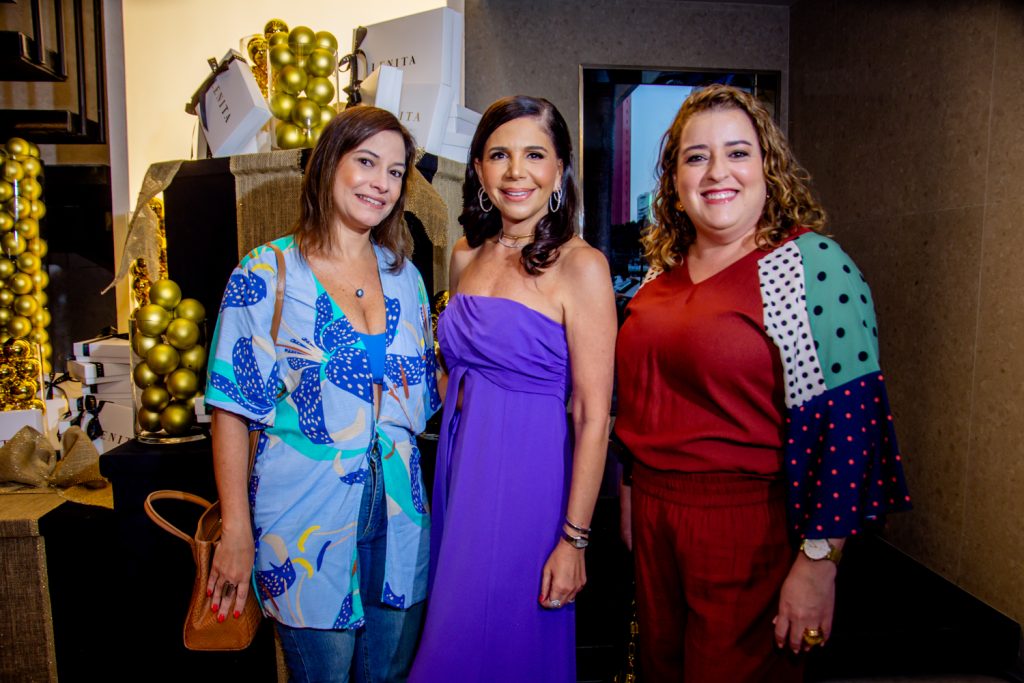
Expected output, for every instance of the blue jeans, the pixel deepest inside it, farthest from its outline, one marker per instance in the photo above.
(381, 651)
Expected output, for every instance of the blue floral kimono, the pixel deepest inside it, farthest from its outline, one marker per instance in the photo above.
(313, 393)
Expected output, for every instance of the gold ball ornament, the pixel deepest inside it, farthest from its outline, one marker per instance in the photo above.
(6, 222)
(165, 293)
(25, 305)
(29, 262)
(16, 349)
(19, 327)
(182, 383)
(306, 114)
(256, 46)
(20, 283)
(24, 390)
(142, 343)
(289, 136)
(6, 269)
(47, 350)
(190, 309)
(301, 40)
(327, 113)
(320, 90)
(182, 334)
(29, 187)
(280, 55)
(39, 247)
(6, 315)
(29, 368)
(17, 146)
(300, 62)
(41, 317)
(292, 80)
(313, 135)
(38, 335)
(13, 170)
(47, 367)
(282, 104)
(278, 38)
(325, 40)
(18, 206)
(37, 210)
(194, 359)
(320, 63)
(13, 243)
(7, 372)
(152, 319)
(275, 26)
(144, 376)
(6, 298)
(42, 297)
(177, 419)
(6, 190)
(40, 278)
(33, 167)
(155, 398)
(149, 421)
(27, 228)
(163, 359)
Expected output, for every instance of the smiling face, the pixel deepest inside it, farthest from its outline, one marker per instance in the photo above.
(720, 175)
(368, 181)
(519, 170)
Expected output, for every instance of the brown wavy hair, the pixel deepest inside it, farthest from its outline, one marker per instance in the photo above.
(789, 205)
(345, 132)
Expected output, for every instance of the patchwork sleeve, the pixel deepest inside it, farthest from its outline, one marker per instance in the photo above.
(242, 372)
(841, 458)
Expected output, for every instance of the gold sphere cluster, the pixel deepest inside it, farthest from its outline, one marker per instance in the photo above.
(23, 274)
(170, 359)
(139, 270)
(300, 66)
(19, 375)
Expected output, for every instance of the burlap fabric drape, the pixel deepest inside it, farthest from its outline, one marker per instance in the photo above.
(266, 196)
(141, 240)
(448, 183)
(28, 464)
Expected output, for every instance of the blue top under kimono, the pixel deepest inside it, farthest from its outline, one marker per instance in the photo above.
(313, 393)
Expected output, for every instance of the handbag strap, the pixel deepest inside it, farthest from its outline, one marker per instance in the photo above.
(275, 326)
(173, 495)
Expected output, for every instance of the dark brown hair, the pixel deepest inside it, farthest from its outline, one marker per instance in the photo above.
(554, 228)
(343, 133)
(789, 205)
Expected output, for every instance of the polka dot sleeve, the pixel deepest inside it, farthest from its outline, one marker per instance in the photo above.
(841, 458)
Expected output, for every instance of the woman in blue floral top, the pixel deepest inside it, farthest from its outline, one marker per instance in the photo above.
(339, 527)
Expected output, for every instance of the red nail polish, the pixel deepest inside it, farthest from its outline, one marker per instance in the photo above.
(220, 618)
(237, 614)
(209, 592)
(214, 607)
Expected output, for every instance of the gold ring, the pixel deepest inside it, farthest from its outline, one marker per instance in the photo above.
(813, 636)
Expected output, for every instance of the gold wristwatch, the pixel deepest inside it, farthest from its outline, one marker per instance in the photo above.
(820, 549)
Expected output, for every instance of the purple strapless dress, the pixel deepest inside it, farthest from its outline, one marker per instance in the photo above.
(500, 491)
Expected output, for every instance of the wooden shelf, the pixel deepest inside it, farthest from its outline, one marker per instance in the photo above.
(17, 62)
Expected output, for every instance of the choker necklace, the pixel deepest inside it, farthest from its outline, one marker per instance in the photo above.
(513, 241)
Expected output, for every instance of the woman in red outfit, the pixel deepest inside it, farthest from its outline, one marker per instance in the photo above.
(751, 398)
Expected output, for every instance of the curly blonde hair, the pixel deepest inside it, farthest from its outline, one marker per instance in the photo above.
(789, 205)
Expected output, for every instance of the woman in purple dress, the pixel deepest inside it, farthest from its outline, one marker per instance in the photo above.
(531, 321)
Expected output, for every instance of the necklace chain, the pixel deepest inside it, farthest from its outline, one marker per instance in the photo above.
(513, 241)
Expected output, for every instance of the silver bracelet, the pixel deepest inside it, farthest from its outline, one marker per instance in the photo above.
(577, 529)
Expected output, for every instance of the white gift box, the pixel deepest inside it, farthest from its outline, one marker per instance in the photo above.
(111, 349)
(232, 109)
(383, 88)
(425, 110)
(97, 372)
(463, 121)
(426, 46)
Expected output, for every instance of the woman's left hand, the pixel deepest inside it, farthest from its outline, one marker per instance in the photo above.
(807, 602)
(564, 576)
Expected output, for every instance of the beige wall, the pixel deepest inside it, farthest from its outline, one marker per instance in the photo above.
(908, 115)
(535, 47)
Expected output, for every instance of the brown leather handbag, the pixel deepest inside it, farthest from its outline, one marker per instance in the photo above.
(202, 631)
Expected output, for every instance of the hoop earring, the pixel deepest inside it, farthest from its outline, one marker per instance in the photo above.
(480, 197)
(555, 201)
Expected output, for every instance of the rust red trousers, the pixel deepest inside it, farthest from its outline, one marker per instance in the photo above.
(711, 554)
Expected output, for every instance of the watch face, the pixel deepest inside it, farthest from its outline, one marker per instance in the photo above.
(816, 548)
